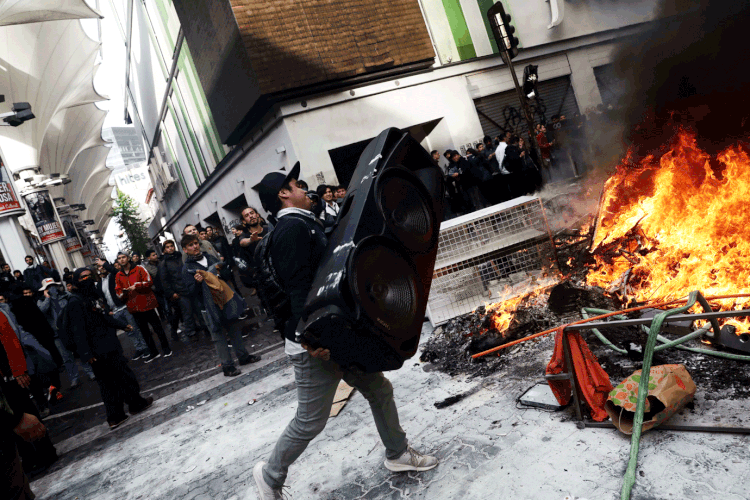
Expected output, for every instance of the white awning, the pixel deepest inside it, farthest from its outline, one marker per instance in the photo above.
(51, 65)
(35, 11)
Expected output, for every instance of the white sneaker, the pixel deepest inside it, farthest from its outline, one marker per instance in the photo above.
(265, 492)
(411, 460)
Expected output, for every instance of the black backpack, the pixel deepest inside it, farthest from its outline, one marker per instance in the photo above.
(272, 295)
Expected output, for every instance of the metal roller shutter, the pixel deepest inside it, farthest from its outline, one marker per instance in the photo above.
(502, 111)
(611, 86)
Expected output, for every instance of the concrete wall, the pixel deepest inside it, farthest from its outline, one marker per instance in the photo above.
(531, 19)
(319, 130)
(256, 161)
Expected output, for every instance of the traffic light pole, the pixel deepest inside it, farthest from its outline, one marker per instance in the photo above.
(524, 106)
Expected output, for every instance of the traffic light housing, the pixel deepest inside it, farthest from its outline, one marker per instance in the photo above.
(530, 79)
(369, 296)
(503, 30)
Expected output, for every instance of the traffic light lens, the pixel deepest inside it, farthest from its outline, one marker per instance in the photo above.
(385, 284)
(406, 209)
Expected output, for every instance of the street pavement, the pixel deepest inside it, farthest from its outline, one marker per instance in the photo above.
(201, 440)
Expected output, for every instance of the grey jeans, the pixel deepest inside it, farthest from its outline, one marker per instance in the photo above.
(219, 334)
(135, 334)
(317, 381)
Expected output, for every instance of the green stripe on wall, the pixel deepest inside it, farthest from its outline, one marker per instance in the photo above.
(460, 29)
(176, 161)
(185, 147)
(484, 6)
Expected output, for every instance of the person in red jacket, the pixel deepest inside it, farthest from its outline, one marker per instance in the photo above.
(133, 286)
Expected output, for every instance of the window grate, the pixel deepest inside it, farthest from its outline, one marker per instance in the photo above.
(503, 250)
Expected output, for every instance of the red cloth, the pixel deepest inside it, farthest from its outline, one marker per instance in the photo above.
(544, 145)
(592, 379)
(142, 298)
(13, 349)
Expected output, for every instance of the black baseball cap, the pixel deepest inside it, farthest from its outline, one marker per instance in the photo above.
(268, 188)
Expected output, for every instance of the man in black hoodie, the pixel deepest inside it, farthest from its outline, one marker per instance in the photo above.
(96, 342)
(175, 290)
(6, 279)
(297, 244)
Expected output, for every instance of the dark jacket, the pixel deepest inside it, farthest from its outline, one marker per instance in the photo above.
(47, 306)
(296, 247)
(112, 273)
(6, 281)
(467, 178)
(33, 276)
(248, 252)
(31, 319)
(49, 272)
(224, 249)
(202, 293)
(513, 161)
(478, 171)
(153, 270)
(93, 330)
(170, 275)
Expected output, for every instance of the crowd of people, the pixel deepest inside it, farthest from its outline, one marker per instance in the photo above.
(52, 324)
(505, 167)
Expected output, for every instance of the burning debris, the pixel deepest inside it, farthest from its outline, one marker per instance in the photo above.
(666, 225)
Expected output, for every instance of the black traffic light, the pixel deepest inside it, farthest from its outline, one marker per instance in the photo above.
(369, 297)
(503, 30)
(530, 79)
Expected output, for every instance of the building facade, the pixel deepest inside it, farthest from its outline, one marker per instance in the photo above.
(252, 86)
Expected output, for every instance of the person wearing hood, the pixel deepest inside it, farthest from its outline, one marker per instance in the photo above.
(6, 278)
(95, 337)
(67, 275)
(32, 320)
(50, 272)
(117, 308)
(16, 372)
(54, 300)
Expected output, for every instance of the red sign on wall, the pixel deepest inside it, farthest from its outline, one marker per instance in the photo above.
(45, 217)
(9, 202)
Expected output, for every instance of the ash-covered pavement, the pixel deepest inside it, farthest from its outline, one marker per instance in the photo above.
(488, 446)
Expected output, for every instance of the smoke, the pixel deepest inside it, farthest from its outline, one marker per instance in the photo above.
(690, 68)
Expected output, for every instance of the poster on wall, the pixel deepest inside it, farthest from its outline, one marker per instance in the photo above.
(71, 243)
(9, 202)
(44, 215)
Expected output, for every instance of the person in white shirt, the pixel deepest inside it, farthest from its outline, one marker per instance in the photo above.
(330, 209)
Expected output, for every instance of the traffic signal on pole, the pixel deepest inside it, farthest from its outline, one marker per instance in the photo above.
(530, 79)
(503, 30)
(369, 297)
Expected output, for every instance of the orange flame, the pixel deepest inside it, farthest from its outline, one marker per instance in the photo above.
(504, 312)
(677, 225)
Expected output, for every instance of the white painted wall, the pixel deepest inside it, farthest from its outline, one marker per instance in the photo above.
(317, 131)
(257, 160)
